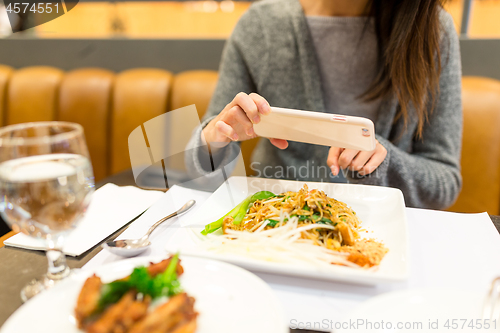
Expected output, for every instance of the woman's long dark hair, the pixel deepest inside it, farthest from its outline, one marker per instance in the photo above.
(408, 34)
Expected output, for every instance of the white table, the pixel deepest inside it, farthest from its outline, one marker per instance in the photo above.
(447, 251)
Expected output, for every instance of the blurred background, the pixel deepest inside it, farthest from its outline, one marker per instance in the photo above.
(205, 19)
(186, 35)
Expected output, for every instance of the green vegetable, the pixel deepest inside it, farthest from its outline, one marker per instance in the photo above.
(238, 212)
(211, 227)
(316, 219)
(324, 220)
(308, 217)
(111, 293)
(261, 195)
(163, 284)
(166, 283)
(272, 223)
(142, 281)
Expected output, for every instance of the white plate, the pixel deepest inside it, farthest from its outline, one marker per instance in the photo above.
(420, 310)
(381, 210)
(228, 299)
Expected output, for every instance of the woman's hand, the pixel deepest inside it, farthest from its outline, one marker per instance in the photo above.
(364, 162)
(235, 122)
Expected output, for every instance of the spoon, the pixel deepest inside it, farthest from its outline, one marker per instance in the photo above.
(133, 247)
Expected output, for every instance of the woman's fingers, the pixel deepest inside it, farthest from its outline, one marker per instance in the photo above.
(333, 159)
(253, 105)
(236, 121)
(374, 162)
(240, 123)
(346, 157)
(247, 104)
(279, 143)
(364, 162)
(225, 131)
(235, 125)
(262, 105)
(360, 160)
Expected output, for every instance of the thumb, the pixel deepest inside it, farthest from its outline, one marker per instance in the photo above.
(281, 144)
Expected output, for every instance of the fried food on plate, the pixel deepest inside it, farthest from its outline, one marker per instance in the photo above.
(126, 305)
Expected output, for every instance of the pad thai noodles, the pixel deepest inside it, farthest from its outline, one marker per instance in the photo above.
(305, 218)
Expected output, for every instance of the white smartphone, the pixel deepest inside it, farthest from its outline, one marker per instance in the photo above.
(318, 128)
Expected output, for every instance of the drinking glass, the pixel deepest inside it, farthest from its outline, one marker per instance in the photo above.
(46, 182)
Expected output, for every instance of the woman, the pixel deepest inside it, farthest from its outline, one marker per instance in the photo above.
(396, 62)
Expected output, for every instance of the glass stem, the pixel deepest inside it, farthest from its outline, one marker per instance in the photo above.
(58, 269)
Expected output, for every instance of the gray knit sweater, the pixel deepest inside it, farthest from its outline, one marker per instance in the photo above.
(271, 52)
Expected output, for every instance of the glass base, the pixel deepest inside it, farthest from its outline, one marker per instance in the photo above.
(36, 286)
(32, 289)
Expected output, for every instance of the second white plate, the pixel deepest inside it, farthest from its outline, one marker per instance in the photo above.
(228, 299)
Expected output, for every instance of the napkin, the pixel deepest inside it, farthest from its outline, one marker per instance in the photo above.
(110, 209)
(171, 201)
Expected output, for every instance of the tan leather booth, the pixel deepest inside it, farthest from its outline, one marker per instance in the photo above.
(193, 87)
(5, 74)
(85, 98)
(32, 94)
(138, 95)
(110, 105)
(480, 147)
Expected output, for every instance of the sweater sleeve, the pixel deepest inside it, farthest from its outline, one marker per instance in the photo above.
(429, 176)
(235, 75)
